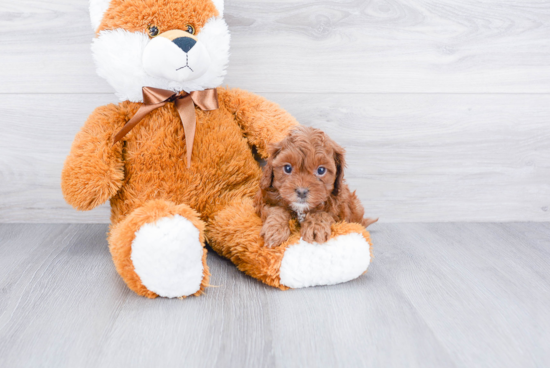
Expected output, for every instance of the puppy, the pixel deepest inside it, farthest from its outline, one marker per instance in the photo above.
(304, 179)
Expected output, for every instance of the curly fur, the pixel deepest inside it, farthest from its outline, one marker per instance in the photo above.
(328, 199)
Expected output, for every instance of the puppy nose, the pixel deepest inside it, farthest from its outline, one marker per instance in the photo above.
(185, 43)
(302, 192)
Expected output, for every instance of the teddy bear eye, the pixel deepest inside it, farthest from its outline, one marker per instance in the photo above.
(190, 29)
(321, 170)
(287, 168)
(153, 31)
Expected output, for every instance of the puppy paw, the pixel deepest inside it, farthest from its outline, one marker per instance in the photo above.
(274, 233)
(316, 227)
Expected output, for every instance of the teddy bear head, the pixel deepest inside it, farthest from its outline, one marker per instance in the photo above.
(179, 45)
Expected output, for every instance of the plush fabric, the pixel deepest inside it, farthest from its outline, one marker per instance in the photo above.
(235, 234)
(167, 256)
(123, 234)
(150, 163)
(122, 45)
(163, 212)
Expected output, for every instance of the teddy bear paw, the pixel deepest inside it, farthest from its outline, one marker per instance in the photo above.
(340, 259)
(167, 256)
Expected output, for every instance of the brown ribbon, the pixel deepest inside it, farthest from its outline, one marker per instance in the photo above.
(153, 98)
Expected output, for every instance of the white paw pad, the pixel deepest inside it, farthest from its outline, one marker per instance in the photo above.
(340, 259)
(167, 256)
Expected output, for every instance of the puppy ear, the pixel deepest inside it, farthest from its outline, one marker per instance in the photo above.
(267, 178)
(340, 161)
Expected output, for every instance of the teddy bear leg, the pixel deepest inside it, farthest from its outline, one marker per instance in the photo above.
(235, 234)
(158, 250)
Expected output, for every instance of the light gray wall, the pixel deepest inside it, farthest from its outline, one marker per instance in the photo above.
(443, 106)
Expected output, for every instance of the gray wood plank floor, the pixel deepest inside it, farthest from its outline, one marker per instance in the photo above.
(436, 295)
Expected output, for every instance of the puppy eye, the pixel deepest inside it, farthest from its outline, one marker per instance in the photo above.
(153, 31)
(321, 170)
(190, 29)
(287, 168)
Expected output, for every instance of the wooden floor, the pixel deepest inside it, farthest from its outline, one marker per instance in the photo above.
(436, 295)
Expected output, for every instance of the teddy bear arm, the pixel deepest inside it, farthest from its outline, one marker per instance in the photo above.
(93, 171)
(262, 121)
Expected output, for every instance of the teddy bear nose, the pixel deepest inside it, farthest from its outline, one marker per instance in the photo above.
(185, 43)
(302, 192)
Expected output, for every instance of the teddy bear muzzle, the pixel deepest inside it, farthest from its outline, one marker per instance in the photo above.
(177, 56)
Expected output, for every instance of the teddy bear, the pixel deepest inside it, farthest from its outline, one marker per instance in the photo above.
(176, 158)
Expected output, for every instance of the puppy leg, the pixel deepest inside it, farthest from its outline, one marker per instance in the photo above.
(275, 229)
(316, 227)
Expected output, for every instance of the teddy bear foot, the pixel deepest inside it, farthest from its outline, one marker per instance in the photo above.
(167, 257)
(340, 259)
(159, 251)
(235, 234)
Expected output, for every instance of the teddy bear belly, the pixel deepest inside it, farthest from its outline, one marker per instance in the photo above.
(222, 168)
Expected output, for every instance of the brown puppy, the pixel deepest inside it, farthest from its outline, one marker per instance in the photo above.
(304, 179)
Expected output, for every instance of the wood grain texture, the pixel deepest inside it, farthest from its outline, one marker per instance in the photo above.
(436, 295)
(312, 46)
(442, 105)
(418, 157)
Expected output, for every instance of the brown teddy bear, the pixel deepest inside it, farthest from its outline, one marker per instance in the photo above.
(175, 157)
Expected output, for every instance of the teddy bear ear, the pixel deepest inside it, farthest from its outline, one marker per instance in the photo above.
(99, 7)
(97, 10)
(219, 5)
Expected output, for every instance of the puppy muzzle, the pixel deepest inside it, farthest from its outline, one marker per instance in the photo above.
(177, 56)
(302, 193)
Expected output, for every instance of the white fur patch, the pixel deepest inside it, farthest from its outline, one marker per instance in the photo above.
(167, 256)
(300, 209)
(162, 58)
(118, 55)
(97, 10)
(340, 259)
(219, 4)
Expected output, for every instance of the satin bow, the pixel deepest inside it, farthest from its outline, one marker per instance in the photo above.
(153, 98)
